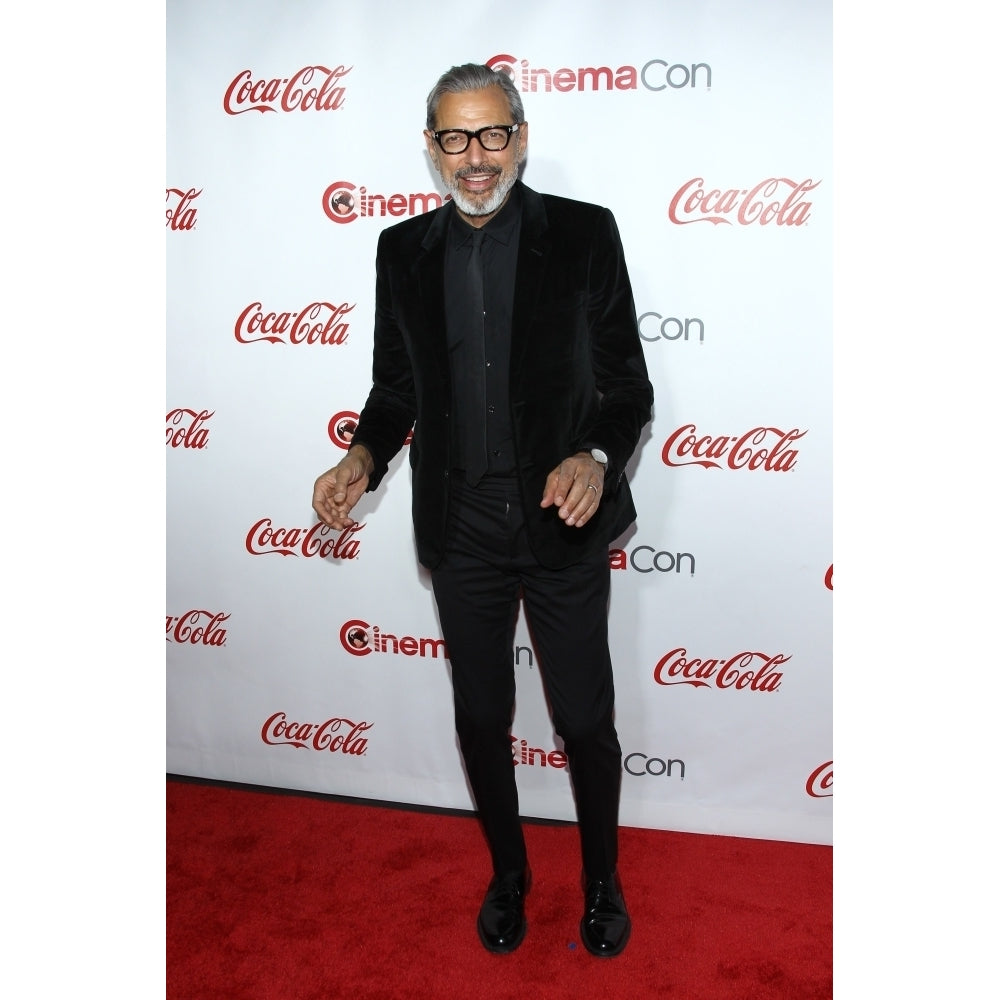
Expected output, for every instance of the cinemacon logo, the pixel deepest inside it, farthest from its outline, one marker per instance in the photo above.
(536, 756)
(654, 74)
(312, 88)
(670, 328)
(639, 765)
(745, 671)
(776, 199)
(265, 539)
(342, 426)
(768, 449)
(316, 323)
(645, 559)
(361, 639)
(336, 735)
(343, 202)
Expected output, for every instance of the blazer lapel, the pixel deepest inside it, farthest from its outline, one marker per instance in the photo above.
(428, 270)
(533, 258)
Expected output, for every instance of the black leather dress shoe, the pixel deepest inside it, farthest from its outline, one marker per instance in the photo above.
(605, 927)
(501, 923)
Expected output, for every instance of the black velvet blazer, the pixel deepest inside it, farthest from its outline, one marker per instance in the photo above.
(577, 373)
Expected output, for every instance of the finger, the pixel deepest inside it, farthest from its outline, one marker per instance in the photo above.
(593, 501)
(552, 493)
(566, 482)
(329, 502)
(583, 502)
(327, 516)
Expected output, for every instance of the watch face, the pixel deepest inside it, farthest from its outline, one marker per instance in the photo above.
(598, 456)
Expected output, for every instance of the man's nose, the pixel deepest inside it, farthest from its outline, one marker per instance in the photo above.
(475, 152)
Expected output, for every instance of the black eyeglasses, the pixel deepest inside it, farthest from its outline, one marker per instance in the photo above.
(492, 138)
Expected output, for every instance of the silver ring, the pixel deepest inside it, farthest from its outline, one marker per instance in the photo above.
(591, 486)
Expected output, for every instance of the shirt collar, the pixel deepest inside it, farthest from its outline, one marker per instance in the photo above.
(502, 227)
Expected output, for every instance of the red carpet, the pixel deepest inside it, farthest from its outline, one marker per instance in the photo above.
(295, 897)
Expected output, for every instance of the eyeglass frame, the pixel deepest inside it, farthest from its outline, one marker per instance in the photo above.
(469, 136)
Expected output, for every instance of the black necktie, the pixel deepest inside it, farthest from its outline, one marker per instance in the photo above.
(475, 438)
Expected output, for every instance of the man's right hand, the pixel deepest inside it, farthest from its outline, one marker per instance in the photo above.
(339, 489)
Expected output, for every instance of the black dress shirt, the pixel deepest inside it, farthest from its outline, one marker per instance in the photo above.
(479, 346)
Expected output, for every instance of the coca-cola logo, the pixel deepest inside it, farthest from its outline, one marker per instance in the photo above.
(335, 735)
(819, 784)
(766, 448)
(752, 671)
(186, 428)
(536, 756)
(344, 202)
(776, 199)
(342, 426)
(312, 88)
(197, 628)
(263, 539)
(361, 639)
(317, 323)
(182, 215)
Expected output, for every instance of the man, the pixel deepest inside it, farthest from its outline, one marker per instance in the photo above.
(518, 365)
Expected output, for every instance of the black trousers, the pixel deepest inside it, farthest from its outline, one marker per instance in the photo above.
(487, 570)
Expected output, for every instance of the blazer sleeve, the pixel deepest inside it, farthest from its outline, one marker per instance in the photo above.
(391, 408)
(616, 352)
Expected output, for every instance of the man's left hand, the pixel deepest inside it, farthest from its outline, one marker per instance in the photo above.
(575, 486)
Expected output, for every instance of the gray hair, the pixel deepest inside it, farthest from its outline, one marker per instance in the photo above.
(472, 76)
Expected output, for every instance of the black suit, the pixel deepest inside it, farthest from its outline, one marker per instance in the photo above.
(577, 380)
(577, 372)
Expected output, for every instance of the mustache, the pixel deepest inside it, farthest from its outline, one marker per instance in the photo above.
(483, 169)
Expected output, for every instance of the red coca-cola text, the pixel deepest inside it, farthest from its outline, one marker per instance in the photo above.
(317, 323)
(746, 670)
(197, 628)
(264, 539)
(290, 94)
(767, 448)
(185, 428)
(336, 735)
(776, 199)
(182, 216)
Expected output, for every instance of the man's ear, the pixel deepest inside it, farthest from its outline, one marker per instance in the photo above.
(432, 150)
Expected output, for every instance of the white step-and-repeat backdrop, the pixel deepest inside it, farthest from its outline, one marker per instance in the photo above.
(302, 658)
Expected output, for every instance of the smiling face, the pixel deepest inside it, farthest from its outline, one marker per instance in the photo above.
(479, 181)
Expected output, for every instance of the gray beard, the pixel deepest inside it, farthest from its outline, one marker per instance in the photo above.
(492, 204)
